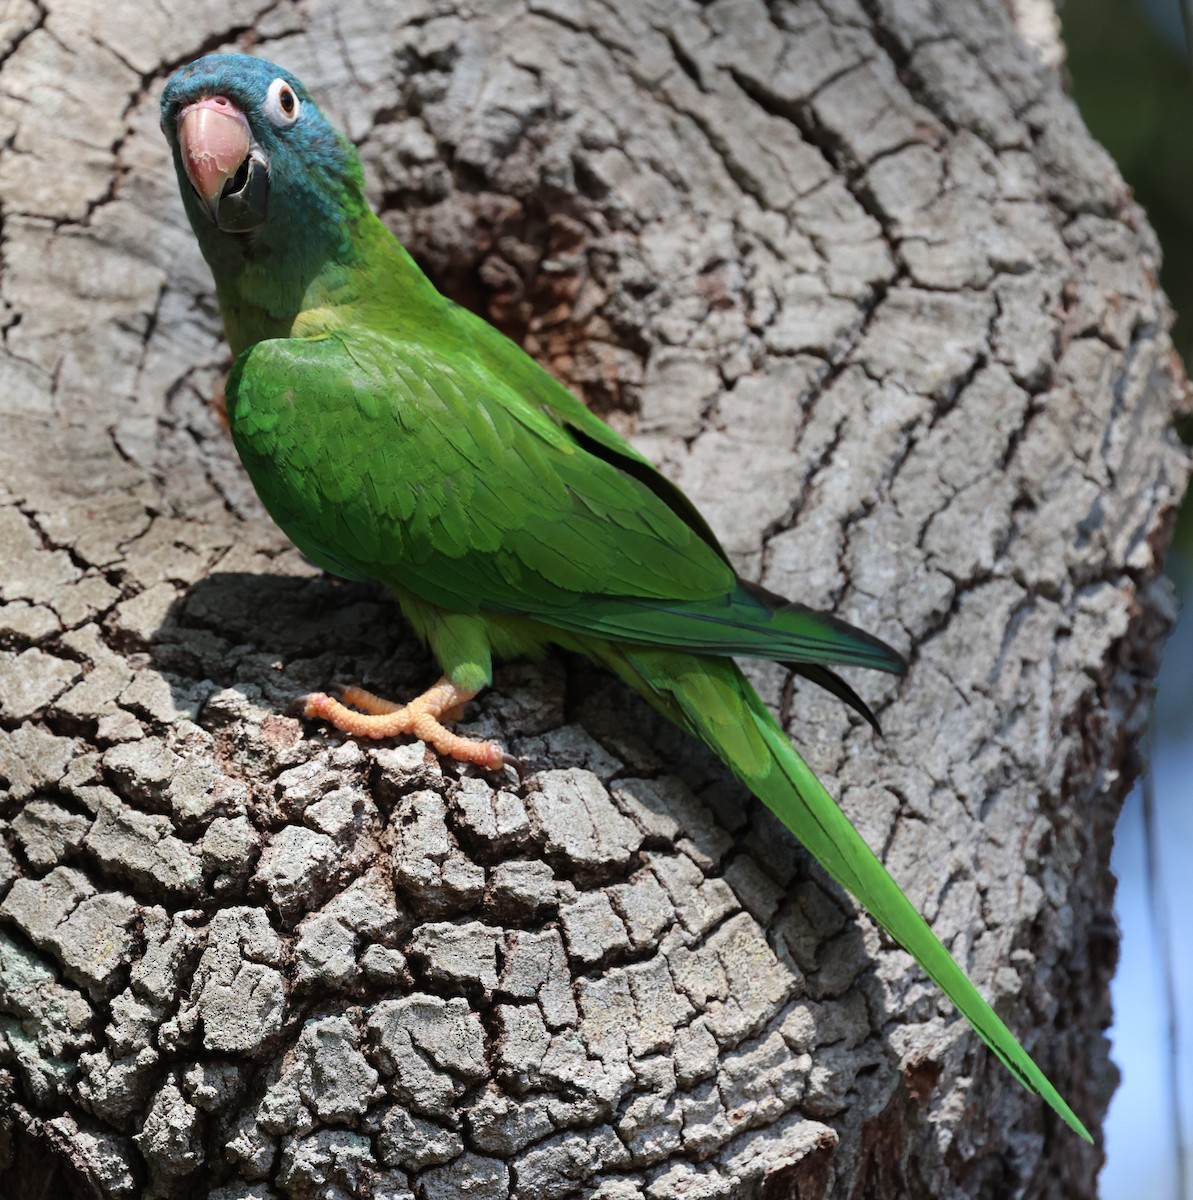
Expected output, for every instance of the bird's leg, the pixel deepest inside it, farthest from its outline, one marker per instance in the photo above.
(420, 718)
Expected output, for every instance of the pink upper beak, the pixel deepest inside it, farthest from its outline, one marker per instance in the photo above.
(213, 135)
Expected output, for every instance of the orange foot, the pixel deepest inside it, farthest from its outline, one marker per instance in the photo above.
(420, 718)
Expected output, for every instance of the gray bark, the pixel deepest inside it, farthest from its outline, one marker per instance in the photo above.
(851, 272)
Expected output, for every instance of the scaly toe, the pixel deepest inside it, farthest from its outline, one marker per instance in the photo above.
(369, 702)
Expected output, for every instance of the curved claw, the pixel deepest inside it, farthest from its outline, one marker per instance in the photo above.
(519, 767)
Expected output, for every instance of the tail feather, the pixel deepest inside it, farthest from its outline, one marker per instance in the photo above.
(712, 699)
(836, 686)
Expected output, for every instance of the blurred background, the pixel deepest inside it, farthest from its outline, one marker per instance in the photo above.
(1129, 70)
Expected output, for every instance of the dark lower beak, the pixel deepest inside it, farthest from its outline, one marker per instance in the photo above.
(243, 200)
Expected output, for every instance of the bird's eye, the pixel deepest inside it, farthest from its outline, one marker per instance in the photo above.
(282, 106)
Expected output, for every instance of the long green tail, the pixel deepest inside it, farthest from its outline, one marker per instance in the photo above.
(712, 699)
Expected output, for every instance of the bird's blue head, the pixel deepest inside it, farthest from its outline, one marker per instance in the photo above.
(264, 177)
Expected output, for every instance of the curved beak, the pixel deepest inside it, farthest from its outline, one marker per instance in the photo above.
(224, 165)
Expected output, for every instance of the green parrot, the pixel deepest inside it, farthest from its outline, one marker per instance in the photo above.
(398, 437)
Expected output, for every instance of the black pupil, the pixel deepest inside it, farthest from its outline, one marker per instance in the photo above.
(286, 98)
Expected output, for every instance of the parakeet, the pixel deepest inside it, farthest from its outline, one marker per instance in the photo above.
(398, 437)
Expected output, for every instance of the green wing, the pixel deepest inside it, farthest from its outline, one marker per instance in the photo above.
(476, 486)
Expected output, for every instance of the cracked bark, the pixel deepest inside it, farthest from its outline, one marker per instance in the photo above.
(856, 277)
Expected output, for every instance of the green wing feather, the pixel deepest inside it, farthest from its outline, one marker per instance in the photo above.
(439, 479)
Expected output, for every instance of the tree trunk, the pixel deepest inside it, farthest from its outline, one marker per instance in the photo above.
(855, 276)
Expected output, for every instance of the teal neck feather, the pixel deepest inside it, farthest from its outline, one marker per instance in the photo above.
(303, 257)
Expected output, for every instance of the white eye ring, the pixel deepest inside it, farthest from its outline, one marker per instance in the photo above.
(282, 104)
